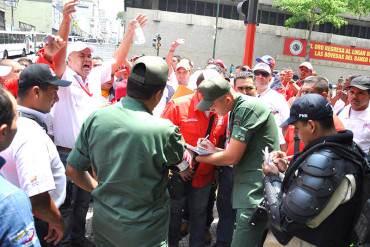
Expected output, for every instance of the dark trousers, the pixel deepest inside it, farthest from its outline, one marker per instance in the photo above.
(196, 201)
(42, 229)
(226, 213)
(74, 209)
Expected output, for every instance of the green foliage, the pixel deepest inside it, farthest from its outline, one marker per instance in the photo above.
(314, 12)
(121, 16)
(359, 7)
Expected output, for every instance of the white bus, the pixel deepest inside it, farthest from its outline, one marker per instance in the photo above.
(13, 43)
(72, 39)
(38, 41)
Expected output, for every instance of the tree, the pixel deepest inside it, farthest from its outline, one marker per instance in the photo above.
(359, 7)
(313, 12)
(122, 17)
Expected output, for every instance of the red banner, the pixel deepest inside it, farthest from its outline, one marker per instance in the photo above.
(325, 51)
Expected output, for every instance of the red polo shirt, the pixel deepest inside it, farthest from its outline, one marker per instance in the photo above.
(193, 125)
(11, 86)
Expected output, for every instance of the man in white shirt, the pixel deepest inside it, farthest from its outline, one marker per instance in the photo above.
(33, 163)
(274, 100)
(356, 115)
(76, 103)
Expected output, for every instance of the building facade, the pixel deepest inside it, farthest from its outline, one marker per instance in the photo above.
(29, 15)
(195, 22)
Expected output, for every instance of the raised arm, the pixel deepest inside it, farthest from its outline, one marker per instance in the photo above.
(64, 30)
(169, 57)
(122, 52)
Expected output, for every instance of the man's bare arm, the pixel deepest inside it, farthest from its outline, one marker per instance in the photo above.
(64, 30)
(44, 208)
(230, 156)
(122, 52)
(82, 179)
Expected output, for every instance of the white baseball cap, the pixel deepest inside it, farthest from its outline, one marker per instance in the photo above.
(184, 63)
(78, 46)
(5, 70)
(308, 65)
(262, 67)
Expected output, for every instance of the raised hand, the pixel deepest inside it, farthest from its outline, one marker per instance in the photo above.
(53, 46)
(69, 8)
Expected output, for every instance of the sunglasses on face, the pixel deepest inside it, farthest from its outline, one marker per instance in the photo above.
(261, 73)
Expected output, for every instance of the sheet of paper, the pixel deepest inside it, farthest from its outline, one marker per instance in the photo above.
(200, 151)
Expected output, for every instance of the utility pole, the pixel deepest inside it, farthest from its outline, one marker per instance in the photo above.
(216, 30)
(248, 8)
(12, 4)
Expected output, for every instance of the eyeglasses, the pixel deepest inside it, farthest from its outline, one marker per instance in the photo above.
(261, 73)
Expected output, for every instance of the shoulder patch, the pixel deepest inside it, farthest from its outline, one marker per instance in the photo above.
(25, 237)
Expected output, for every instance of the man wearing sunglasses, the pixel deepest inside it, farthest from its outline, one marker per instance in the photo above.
(274, 100)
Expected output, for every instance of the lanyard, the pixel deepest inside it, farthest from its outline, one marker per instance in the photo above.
(85, 88)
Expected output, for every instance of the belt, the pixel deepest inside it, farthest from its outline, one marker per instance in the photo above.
(63, 149)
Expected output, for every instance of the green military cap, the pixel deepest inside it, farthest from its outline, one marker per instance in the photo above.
(154, 71)
(211, 89)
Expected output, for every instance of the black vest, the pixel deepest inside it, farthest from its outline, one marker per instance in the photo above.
(336, 229)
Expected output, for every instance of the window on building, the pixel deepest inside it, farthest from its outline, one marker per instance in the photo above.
(234, 13)
(162, 5)
(2, 20)
(191, 6)
(172, 5)
(264, 17)
(227, 11)
(273, 18)
(209, 9)
(200, 8)
(182, 6)
(368, 32)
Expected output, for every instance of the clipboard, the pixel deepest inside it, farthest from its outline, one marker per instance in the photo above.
(200, 151)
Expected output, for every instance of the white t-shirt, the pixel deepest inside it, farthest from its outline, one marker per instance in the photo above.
(33, 163)
(359, 123)
(75, 104)
(279, 108)
(339, 106)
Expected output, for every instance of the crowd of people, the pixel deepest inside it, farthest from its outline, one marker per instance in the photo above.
(154, 144)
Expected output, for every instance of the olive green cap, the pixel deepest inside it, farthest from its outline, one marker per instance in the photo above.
(156, 71)
(211, 89)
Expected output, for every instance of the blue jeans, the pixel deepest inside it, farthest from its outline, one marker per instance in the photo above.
(75, 208)
(226, 213)
(197, 203)
(196, 200)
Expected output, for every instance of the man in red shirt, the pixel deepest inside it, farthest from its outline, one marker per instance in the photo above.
(305, 70)
(9, 75)
(289, 88)
(193, 125)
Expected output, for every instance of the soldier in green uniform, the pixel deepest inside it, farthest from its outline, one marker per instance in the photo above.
(129, 151)
(251, 128)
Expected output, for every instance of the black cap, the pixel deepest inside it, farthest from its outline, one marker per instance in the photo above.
(309, 107)
(156, 71)
(361, 82)
(38, 74)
